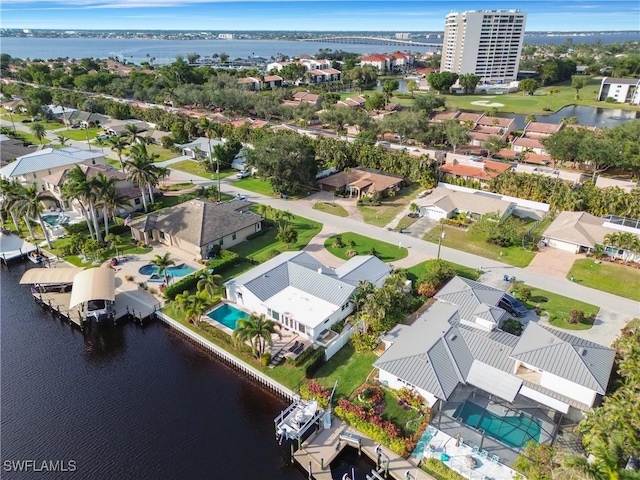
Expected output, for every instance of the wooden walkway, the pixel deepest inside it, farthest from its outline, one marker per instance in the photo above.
(321, 449)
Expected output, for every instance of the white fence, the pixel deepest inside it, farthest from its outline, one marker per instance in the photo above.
(226, 357)
(520, 202)
(339, 342)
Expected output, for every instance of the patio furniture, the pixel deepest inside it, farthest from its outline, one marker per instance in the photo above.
(475, 449)
(495, 458)
(444, 457)
(294, 346)
(484, 454)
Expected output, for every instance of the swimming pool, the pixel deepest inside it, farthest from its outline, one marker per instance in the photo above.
(514, 431)
(177, 271)
(421, 446)
(227, 315)
(55, 219)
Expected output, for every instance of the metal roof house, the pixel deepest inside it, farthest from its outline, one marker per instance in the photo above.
(445, 203)
(301, 294)
(443, 349)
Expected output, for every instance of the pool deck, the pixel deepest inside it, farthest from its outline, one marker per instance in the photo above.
(486, 468)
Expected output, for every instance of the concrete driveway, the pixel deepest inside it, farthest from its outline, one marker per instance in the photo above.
(553, 262)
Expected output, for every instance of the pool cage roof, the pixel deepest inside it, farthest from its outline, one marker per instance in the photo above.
(623, 221)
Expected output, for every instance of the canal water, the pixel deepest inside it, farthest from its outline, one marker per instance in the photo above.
(127, 402)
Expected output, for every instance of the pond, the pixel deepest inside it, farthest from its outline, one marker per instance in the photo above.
(590, 116)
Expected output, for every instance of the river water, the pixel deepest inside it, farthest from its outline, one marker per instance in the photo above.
(127, 402)
(165, 51)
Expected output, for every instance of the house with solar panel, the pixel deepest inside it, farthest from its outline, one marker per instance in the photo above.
(495, 389)
(302, 295)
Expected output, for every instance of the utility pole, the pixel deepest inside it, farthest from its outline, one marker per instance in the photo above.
(441, 237)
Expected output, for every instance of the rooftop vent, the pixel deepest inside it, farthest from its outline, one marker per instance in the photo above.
(452, 337)
(320, 270)
(582, 351)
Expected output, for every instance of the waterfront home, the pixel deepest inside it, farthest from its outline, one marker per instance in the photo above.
(361, 182)
(34, 167)
(622, 90)
(457, 358)
(446, 203)
(198, 227)
(486, 127)
(579, 232)
(301, 294)
(54, 182)
(531, 136)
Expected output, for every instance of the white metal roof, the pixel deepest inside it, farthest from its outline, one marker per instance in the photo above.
(48, 158)
(93, 284)
(494, 380)
(49, 275)
(302, 307)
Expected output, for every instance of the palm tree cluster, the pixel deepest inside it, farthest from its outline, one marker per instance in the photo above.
(26, 202)
(195, 305)
(257, 331)
(625, 241)
(142, 171)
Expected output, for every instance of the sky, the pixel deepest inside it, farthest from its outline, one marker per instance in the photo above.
(302, 15)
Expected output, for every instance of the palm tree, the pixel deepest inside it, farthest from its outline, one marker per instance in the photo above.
(163, 262)
(30, 206)
(608, 463)
(257, 331)
(132, 134)
(10, 193)
(141, 171)
(78, 186)
(62, 140)
(360, 294)
(108, 197)
(38, 131)
(118, 144)
(210, 130)
(210, 283)
(193, 306)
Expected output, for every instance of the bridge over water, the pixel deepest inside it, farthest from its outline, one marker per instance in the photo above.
(365, 40)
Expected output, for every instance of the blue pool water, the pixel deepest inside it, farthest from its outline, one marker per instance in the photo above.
(228, 315)
(177, 271)
(421, 446)
(514, 431)
(54, 219)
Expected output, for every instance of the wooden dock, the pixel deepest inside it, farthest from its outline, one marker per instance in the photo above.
(322, 448)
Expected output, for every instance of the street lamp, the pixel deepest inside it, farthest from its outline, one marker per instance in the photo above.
(442, 234)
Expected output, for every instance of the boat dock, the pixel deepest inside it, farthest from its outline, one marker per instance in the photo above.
(319, 450)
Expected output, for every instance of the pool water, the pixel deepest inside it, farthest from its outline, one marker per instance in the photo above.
(54, 219)
(177, 271)
(421, 446)
(227, 315)
(514, 431)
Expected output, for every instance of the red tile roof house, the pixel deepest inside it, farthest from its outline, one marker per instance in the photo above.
(249, 83)
(487, 127)
(483, 170)
(317, 76)
(355, 102)
(533, 132)
(308, 98)
(273, 81)
(381, 62)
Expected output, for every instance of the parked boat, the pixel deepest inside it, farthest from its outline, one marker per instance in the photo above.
(296, 421)
(35, 257)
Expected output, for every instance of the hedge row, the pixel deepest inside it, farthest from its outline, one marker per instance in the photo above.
(186, 283)
(225, 260)
(439, 470)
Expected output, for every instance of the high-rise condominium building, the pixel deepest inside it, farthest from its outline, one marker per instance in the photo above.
(485, 42)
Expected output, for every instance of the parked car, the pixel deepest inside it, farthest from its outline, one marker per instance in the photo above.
(243, 174)
(102, 136)
(240, 197)
(513, 306)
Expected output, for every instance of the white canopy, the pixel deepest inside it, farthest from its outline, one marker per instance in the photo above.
(46, 276)
(93, 284)
(494, 380)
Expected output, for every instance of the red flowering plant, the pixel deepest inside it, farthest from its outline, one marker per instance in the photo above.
(312, 390)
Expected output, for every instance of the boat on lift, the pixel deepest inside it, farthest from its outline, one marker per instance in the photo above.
(297, 419)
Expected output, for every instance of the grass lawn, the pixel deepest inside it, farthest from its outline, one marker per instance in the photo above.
(192, 167)
(80, 134)
(330, 208)
(363, 245)
(256, 185)
(475, 244)
(163, 153)
(125, 247)
(405, 222)
(614, 278)
(349, 368)
(261, 248)
(113, 162)
(176, 187)
(559, 308)
(390, 207)
(30, 138)
(422, 268)
(407, 419)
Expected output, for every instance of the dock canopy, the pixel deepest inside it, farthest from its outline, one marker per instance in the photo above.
(49, 276)
(93, 284)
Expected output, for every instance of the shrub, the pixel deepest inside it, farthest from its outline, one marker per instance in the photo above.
(287, 234)
(352, 243)
(427, 290)
(265, 359)
(364, 343)
(274, 252)
(185, 283)
(337, 242)
(576, 317)
(225, 260)
(512, 326)
(439, 470)
(311, 390)
(76, 228)
(128, 278)
(373, 252)
(350, 253)
(118, 229)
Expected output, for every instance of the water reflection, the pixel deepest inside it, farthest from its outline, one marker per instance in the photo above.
(103, 343)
